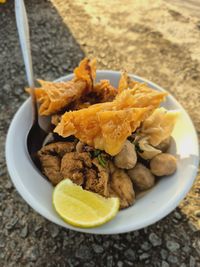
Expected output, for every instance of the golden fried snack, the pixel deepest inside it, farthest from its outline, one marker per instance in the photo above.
(159, 125)
(86, 71)
(106, 126)
(125, 82)
(53, 97)
(104, 91)
(101, 92)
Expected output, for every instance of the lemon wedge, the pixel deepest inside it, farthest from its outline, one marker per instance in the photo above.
(83, 208)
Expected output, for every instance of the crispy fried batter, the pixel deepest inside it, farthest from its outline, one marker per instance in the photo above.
(54, 96)
(106, 126)
(104, 91)
(50, 159)
(101, 92)
(73, 166)
(98, 183)
(125, 82)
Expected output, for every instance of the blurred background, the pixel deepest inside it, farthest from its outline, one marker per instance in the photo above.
(155, 39)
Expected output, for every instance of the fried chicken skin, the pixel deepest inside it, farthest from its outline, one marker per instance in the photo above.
(50, 159)
(74, 166)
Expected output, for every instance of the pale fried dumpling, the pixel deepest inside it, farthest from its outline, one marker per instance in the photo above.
(140, 96)
(106, 126)
(159, 125)
(54, 96)
(86, 71)
(145, 150)
(125, 82)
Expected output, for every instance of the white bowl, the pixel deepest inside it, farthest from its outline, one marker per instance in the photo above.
(155, 205)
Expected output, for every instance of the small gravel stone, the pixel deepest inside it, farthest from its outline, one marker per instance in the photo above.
(24, 231)
(109, 261)
(186, 249)
(175, 221)
(165, 264)
(128, 237)
(172, 259)
(117, 246)
(2, 195)
(2, 255)
(97, 249)
(183, 265)
(10, 225)
(146, 246)
(53, 229)
(177, 215)
(192, 227)
(144, 256)
(120, 264)
(106, 244)
(155, 240)
(2, 242)
(192, 261)
(136, 233)
(89, 264)
(84, 253)
(8, 185)
(164, 254)
(32, 254)
(172, 246)
(8, 211)
(130, 254)
(128, 263)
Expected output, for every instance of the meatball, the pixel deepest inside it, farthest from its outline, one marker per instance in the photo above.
(122, 187)
(127, 157)
(141, 177)
(163, 164)
(164, 145)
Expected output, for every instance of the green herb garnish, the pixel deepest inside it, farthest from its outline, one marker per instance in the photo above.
(96, 152)
(101, 160)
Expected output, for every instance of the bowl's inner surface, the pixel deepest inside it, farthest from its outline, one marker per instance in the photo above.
(156, 204)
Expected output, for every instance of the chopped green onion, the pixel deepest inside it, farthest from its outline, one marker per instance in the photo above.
(101, 160)
(96, 152)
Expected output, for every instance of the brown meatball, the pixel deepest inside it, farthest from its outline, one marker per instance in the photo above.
(127, 157)
(164, 145)
(141, 177)
(163, 164)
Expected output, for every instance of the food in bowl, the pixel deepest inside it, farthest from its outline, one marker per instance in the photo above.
(110, 141)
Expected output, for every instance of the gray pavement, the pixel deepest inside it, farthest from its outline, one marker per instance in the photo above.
(155, 40)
